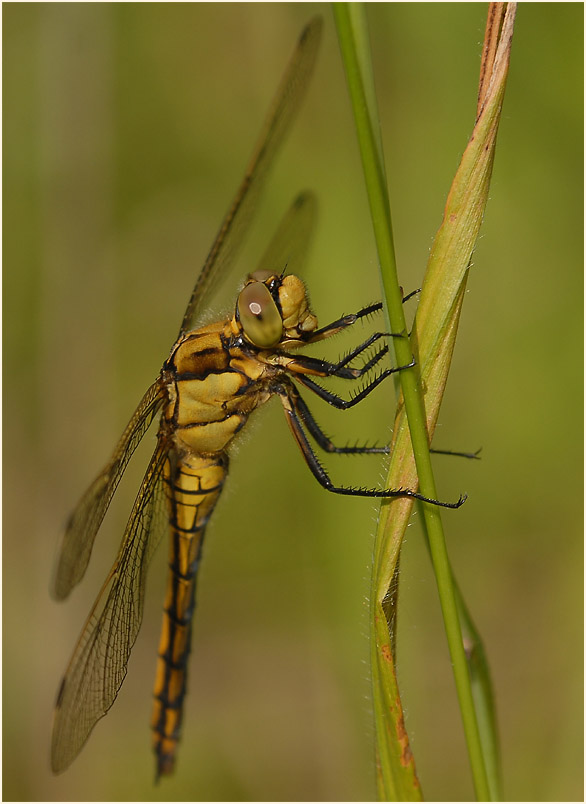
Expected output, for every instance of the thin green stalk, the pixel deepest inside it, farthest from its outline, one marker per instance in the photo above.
(432, 344)
(482, 691)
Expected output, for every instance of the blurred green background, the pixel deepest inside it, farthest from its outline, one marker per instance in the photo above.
(126, 131)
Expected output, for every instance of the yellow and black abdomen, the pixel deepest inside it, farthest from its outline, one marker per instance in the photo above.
(193, 485)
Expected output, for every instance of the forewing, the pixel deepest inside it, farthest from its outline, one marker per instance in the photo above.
(288, 248)
(87, 517)
(283, 109)
(98, 665)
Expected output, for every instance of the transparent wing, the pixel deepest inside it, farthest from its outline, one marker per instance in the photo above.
(288, 248)
(282, 111)
(98, 665)
(85, 521)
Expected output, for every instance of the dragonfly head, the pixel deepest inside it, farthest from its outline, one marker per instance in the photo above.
(273, 310)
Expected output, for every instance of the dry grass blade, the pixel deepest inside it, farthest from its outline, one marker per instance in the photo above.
(432, 342)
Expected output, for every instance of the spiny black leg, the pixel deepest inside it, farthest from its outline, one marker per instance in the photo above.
(348, 320)
(342, 323)
(410, 295)
(320, 473)
(326, 444)
(344, 404)
(355, 352)
(320, 437)
(470, 455)
(303, 364)
(323, 368)
(377, 356)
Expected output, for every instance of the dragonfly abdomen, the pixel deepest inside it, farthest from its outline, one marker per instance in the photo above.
(193, 485)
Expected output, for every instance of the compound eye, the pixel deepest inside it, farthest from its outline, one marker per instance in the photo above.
(259, 315)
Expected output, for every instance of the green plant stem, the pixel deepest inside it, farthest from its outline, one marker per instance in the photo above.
(350, 19)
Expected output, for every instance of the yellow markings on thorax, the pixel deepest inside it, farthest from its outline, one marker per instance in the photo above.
(211, 437)
(202, 400)
(212, 391)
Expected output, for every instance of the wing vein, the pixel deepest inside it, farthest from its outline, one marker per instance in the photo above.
(99, 662)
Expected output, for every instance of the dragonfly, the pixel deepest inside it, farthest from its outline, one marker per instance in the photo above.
(214, 378)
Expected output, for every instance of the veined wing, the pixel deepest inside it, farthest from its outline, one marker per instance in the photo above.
(288, 248)
(98, 665)
(85, 521)
(235, 224)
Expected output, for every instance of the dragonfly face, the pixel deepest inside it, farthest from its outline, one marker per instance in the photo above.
(272, 309)
(214, 378)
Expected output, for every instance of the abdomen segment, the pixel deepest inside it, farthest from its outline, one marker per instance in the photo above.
(193, 486)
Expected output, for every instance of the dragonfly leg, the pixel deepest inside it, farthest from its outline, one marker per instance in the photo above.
(410, 295)
(347, 321)
(304, 364)
(361, 348)
(340, 369)
(321, 438)
(301, 364)
(344, 404)
(290, 401)
(471, 455)
(326, 444)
